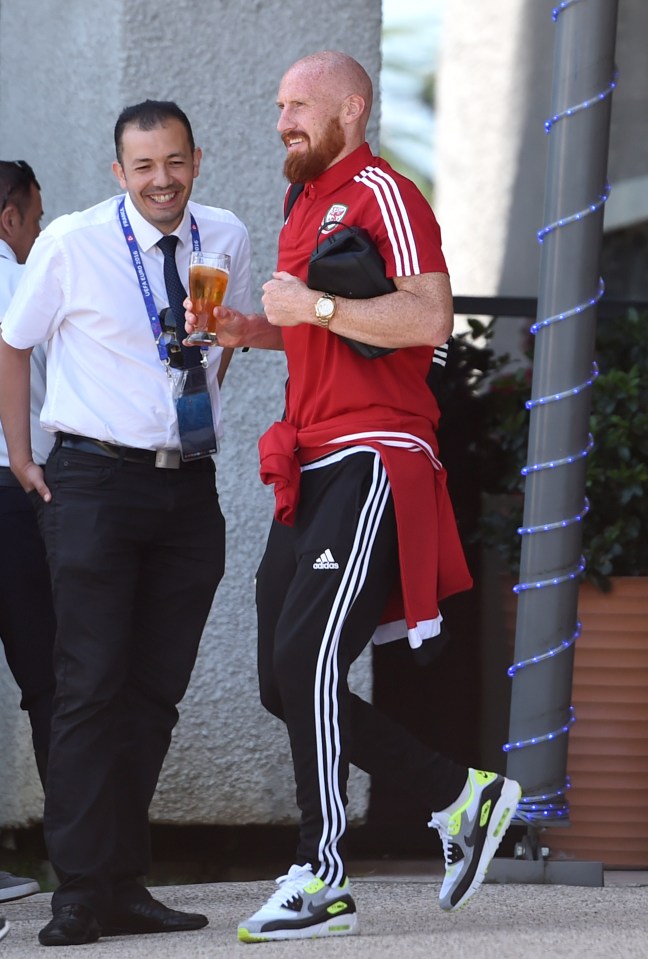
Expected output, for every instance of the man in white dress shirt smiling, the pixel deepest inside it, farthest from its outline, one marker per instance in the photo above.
(134, 532)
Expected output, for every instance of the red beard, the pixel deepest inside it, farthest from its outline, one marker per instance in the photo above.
(302, 167)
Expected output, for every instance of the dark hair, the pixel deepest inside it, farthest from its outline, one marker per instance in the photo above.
(147, 116)
(16, 179)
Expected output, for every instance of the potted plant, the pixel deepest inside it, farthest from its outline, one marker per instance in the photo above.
(606, 762)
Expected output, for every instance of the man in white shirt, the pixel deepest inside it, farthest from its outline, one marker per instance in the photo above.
(133, 527)
(27, 624)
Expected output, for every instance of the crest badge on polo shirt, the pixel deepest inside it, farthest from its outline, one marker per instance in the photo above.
(333, 216)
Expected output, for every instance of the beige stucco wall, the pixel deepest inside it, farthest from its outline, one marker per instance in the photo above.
(66, 71)
(493, 96)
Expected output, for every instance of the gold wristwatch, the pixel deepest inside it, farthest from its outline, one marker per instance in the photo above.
(325, 309)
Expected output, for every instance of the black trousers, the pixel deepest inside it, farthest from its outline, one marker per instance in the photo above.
(321, 589)
(135, 554)
(27, 624)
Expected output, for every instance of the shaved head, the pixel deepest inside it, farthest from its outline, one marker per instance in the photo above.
(339, 73)
(325, 101)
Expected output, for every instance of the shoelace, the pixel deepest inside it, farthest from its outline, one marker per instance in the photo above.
(448, 845)
(291, 885)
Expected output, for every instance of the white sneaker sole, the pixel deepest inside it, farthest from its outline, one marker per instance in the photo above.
(346, 925)
(19, 891)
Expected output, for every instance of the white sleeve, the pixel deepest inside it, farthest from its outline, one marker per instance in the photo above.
(38, 305)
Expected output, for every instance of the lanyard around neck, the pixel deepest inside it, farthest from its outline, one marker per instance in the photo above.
(149, 302)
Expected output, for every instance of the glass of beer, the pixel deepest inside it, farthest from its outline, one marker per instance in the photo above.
(208, 275)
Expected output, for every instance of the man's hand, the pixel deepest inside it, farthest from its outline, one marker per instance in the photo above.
(230, 324)
(418, 313)
(237, 329)
(287, 301)
(32, 477)
(15, 374)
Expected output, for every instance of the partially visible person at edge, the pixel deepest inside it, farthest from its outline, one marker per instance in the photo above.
(27, 625)
(362, 511)
(134, 532)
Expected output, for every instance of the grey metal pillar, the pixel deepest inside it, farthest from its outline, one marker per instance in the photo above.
(554, 503)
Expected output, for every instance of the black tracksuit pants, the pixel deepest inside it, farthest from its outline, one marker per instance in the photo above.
(321, 589)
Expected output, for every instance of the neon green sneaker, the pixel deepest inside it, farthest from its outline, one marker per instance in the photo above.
(303, 907)
(471, 830)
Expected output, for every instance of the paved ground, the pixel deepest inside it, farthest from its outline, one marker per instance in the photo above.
(399, 917)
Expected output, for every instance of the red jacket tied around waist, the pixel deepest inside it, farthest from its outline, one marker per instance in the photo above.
(432, 562)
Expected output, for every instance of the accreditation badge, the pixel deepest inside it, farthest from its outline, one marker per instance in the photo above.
(194, 411)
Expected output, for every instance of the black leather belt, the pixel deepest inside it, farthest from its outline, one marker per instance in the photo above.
(160, 459)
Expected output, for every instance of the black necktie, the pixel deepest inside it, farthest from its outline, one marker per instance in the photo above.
(177, 293)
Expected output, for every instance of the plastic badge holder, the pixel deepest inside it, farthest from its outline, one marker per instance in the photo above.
(195, 417)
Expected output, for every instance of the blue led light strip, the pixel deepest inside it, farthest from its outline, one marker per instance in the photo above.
(542, 810)
(570, 111)
(549, 654)
(565, 394)
(551, 464)
(553, 580)
(559, 524)
(544, 813)
(546, 806)
(575, 217)
(555, 13)
(577, 310)
(541, 798)
(545, 737)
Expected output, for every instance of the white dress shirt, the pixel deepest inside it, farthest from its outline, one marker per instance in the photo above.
(10, 273)
(81, 295)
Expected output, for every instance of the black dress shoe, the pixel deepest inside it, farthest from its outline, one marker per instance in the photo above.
(150, 915)
(72, 925)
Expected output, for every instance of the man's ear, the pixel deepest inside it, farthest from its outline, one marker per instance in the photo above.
(10, 220)
(119, 174)
(354, 107)
(197, 157)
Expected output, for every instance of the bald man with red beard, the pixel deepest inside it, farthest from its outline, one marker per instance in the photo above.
(364, 543)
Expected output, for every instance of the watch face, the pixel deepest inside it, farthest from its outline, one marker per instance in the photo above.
(325, 307)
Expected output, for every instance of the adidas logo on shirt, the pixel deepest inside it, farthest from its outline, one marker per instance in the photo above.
(326, 561)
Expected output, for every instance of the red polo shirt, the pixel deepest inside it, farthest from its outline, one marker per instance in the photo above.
(326, 377)
(335, 397)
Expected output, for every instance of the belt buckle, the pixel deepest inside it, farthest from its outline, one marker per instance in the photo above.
(167, 459)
